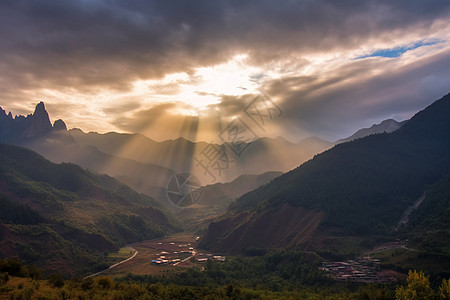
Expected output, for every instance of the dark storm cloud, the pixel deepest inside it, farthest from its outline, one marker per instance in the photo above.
(83, 44)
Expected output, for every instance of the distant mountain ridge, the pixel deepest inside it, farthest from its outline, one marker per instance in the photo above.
(387, 126)
(182, 155)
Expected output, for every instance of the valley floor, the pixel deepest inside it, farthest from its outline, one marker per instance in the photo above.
(171, 254)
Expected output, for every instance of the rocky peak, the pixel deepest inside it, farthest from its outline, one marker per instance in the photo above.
(21, 127)
(40, 107)
(5, 124)
(39, 122)
(41, 115)
(59, 125)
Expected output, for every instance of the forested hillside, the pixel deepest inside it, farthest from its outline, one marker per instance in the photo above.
(64, 218)
(362, 187)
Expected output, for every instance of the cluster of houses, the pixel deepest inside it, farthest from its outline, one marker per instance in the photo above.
(203, 257)
(360, 270)
(173, 254)
(165, 258)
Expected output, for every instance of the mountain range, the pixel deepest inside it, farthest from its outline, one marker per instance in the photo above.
(353, 191)
(147, 166)
(35, 132)
(182, 155)
(143, 163)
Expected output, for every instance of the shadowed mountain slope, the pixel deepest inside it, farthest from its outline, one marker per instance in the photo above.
(358, 188)
(63, 217)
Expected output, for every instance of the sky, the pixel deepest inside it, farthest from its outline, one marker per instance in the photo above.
(193, 68)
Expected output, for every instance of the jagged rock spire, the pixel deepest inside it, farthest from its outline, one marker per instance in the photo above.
(30, 126)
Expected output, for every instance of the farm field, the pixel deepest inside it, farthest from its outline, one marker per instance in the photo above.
(173, 254)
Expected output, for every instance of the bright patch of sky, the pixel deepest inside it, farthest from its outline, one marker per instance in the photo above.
(398, 51)
(205, 86)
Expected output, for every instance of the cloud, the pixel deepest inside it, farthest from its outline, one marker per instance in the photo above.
(112, 43)
(91, 54)
(162, 122)
(166, 121)
(333, 105)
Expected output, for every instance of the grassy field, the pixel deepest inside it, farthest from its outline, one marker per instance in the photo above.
(122, 254)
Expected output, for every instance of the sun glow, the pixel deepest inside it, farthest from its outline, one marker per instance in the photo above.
(203, 88)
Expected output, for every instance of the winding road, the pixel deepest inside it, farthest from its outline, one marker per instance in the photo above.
(115, 265)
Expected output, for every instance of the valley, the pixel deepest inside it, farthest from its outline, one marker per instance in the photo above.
(224, 150)
(355, 213)
(169, 255)
(176, 253)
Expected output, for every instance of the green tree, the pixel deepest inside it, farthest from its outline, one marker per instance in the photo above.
(4, 278)
(57, 280)
(105, 282)
(87, 284)
(444, 289)
(418, 287)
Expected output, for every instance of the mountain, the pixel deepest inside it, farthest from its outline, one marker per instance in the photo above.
(182, 155)
(59, 147)
(31, 126)
(146, 165)
(356, 189)
(387, 126)
(35, 132)
(429, 229)
(63, 218)
(173, 154)
(279, 154)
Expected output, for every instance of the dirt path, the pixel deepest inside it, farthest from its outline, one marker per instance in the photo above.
(184, 260)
